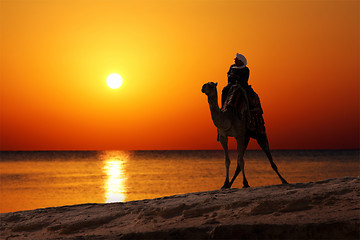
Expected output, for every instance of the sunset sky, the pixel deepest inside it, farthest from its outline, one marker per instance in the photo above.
(303, 58)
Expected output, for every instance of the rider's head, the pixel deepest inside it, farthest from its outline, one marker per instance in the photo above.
(240, 60)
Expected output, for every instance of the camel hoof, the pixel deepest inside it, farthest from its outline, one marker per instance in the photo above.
(226, 185)
(246, 186)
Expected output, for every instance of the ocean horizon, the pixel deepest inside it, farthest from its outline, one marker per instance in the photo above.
(38, 179)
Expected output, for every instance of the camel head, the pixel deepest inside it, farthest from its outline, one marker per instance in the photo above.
(209, 89)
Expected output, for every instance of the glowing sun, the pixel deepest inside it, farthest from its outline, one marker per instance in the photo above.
(114, 81)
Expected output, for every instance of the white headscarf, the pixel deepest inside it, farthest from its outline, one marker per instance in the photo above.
(241, 58)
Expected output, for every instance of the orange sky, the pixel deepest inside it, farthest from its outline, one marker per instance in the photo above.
(55, 56)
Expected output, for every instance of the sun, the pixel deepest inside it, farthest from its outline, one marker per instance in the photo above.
(114, 81)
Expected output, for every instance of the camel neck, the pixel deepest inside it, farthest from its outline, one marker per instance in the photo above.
(213, 101)
(216, 114)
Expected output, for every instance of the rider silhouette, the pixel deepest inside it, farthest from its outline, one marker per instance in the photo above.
(238, 74)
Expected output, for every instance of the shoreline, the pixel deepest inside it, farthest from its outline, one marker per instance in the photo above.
(327, 209)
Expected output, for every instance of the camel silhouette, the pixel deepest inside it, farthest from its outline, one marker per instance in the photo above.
(234, 124)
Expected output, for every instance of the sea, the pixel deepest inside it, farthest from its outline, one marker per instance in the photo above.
(40, 179)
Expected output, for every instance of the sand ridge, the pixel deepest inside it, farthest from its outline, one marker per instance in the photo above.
(326, 209)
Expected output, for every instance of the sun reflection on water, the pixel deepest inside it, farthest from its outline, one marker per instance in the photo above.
(115, 186)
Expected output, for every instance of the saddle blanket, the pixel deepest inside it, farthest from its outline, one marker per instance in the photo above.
(237, 98)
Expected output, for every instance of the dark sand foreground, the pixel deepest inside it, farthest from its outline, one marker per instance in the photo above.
(328, 209)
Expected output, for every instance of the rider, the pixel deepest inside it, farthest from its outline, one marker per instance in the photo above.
(238, 74)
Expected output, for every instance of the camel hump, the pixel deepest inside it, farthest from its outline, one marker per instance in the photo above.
(245, 102)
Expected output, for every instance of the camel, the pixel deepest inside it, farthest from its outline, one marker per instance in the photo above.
(232, 124)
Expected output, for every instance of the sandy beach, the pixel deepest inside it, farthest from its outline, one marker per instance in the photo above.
(328, 209)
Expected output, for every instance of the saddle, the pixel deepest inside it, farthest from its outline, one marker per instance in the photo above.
(239, 100)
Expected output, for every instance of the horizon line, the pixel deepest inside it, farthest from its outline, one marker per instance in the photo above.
(173, 150)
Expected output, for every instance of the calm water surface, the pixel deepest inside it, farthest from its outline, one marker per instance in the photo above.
(30, 180)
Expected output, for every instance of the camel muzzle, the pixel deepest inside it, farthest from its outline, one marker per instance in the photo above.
(203, 89)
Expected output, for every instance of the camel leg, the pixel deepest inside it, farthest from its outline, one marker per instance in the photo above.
(238, 167)
(241, 147)
(264, 144)
(224, 144)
